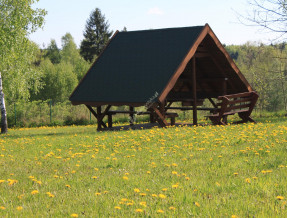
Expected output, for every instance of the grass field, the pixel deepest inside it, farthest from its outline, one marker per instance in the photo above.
(217, 171)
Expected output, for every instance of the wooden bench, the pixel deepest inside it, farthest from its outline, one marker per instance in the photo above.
(242, 104)
(172, 116)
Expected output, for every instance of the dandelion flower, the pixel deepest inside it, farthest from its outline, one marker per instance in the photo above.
(175, 186)
(162, 196)
(68, 186)
(34, 192)
(97, 193)
(197, 204)
(117, 207)
(136, 190)
(74, 215)
(125, 178)
(2, 208)
(160, 211)
(139, 210)
(19, 208)
(280, 197)
(143, 203)
(171, 208)
(247, 180)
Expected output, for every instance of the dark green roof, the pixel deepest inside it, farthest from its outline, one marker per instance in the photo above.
(136, 65)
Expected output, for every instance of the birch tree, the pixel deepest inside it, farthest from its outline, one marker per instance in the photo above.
(17, 20)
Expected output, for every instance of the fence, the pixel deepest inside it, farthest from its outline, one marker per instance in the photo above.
(39, 113)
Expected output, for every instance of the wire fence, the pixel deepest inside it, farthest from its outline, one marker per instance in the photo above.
(43, 113)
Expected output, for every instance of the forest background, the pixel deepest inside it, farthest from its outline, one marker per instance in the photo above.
(36, 92)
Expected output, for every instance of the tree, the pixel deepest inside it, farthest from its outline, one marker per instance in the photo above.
(17, 20)
(70, 54)
(96, 35)
(53, 52)
(269, 14)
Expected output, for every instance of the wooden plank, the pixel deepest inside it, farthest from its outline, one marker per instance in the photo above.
(194, 91)
(240, 100)
(244, 94)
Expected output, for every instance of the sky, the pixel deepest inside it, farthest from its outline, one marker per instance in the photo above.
(222, 15)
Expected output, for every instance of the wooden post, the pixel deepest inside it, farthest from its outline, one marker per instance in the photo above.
(225, 86)
(132, 116)
(99, 118)
(194, 92)
(224, 119)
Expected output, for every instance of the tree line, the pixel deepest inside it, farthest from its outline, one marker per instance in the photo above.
(28, 72)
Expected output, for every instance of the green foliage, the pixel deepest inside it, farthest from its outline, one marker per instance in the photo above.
(17, 20)
(59, 81)
(53, 52)
(265, 69)
(96, 35)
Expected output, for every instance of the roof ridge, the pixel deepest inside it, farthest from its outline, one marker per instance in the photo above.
(163, 29)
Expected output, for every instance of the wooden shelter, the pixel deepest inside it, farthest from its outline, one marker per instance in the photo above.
(155, 68)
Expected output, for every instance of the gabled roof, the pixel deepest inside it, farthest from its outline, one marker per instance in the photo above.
(136, 65)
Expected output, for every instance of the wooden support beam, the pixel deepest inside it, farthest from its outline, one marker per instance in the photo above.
(160, 118)
(194, 91)
(132, 115)
(96, 115)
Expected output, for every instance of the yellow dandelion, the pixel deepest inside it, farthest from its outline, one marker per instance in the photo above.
(154, 195)
(174, 165)
(187, 178)
(160, 211)
(148, 172)
(125, 178)
(94, 177)
(2, 208)
(50, 194)
(197, 204)
(171, 208)
(136, 190)
(235, 174)
(175, 186)
(129, 203)
(162, 196)
(74, 215)
(139, 210)
(67, 186)
(247, 180)
(2, 181)
(117, 207)
(142, 194)
(35, 192)
(97, 193)
(164, 189)
(174, 172)
(19, 208)
(280, 197)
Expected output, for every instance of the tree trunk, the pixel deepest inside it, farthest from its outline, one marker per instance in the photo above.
(4, 124)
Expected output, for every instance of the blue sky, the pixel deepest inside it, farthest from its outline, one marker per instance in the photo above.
(71, 15)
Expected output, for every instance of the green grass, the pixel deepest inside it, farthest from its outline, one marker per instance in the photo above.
(211, 171)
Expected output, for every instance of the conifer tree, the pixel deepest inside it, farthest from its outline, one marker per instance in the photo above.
(96, 35)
